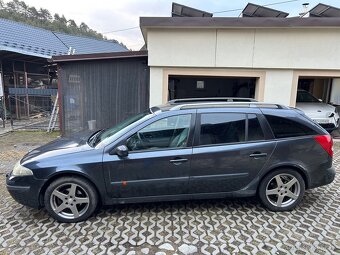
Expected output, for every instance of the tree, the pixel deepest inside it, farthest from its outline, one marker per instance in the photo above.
(32, 12)
(83, 27)
(45, 14)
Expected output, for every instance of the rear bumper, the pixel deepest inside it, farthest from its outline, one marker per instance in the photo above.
(25, 189)
(324, 177)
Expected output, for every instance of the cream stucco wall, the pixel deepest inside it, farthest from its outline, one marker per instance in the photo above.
(294, 48)
(156, 86)
(278, 86)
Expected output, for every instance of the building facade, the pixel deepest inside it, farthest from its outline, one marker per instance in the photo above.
(264, 58)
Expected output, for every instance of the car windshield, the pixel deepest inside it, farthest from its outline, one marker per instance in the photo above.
(305, 97)
(106, 133)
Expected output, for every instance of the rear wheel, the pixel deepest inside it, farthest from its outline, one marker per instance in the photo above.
(70, 199)
(282, 190)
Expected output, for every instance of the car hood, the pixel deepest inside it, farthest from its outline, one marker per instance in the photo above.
(315, 107)
(64, 145)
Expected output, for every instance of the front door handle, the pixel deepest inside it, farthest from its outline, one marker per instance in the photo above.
(258, 155)
(178, 161)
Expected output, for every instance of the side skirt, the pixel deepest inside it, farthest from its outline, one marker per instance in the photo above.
(130, 200)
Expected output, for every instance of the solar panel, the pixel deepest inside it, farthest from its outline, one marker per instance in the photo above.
(324, 10)
(179, 10)
(254, 10)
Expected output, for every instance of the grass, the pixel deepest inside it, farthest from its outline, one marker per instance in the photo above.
(27, 137)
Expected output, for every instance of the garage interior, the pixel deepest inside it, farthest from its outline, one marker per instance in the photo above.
(321, 88)
(205, 87)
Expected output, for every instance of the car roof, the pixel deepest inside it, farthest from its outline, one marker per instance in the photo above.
(194, 103)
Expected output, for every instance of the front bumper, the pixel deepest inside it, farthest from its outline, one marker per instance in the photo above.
(329, 124)
(25, 189)
(321, 178)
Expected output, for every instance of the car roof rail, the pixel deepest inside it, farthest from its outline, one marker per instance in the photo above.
(229, 104)
(211, 99)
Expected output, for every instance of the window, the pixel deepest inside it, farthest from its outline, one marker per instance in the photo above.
(283, 127)
(254, 128)
(219, 128)
(171, 132)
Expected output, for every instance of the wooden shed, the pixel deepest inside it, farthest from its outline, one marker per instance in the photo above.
(104, 88)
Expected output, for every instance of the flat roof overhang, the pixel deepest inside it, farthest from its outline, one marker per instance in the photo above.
(235, 23)
(99, 56)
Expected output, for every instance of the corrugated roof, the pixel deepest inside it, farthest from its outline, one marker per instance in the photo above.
(29, 40)
(86, 45)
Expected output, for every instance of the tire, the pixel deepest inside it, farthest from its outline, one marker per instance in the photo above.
(281, 196)
(70, 199)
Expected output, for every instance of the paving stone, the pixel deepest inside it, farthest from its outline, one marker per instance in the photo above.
(166, 246)
(160, 253)
(187, 249)
(145, 250)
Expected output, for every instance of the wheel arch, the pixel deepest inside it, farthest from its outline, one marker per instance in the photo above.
(66, 174)
(299, 169)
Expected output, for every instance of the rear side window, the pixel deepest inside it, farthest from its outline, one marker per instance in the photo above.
(255, 132)
(283, 127)
(219, 128)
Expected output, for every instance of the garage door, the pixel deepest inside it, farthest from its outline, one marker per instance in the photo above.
(203, 87)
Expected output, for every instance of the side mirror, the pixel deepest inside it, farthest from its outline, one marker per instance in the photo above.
(122, 151)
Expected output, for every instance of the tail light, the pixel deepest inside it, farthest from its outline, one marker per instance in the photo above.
(326, 143)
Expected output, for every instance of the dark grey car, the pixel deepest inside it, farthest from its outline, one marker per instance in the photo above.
(185, 149)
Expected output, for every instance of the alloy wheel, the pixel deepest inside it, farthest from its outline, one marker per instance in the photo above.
(69, 201)
(283, 190)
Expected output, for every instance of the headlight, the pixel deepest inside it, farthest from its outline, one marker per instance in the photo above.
(20, 170)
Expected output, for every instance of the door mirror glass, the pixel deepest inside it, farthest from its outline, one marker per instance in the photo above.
(122, 151)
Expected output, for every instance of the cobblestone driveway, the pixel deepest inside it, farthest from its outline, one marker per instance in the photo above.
(199, 227)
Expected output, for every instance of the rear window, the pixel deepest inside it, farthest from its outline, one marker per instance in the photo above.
(284, 127)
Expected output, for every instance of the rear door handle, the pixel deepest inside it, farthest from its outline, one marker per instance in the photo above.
(178, 161)
(258, 155)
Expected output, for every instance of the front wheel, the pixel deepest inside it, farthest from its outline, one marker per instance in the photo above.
(70, 199)
(282, 190)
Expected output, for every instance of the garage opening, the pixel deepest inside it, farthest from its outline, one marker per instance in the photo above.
(204, 87)
(318, 87)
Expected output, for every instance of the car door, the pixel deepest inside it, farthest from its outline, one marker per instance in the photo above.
(229, 152)
(159, 159)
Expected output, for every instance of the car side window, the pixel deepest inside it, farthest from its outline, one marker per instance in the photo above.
(255, 132)
(283, 127)
(220, 128)
(171, 132)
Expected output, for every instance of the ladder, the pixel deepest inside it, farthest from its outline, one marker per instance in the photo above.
(54, 115)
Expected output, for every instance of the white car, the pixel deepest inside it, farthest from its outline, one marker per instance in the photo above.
(324, 114)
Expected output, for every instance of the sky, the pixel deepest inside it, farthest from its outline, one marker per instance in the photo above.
(106, 16)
